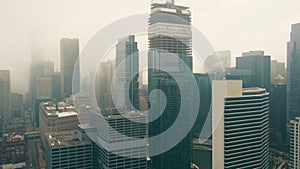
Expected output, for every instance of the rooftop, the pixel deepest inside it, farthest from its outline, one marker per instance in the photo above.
(61, 139)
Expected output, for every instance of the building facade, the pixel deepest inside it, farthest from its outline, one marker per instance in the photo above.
(4, 99)
(64, 150)
(127, 54)
(121, 139)
(241, 123)
(170, 42)
(69, 54)
(294, 143)
(260, 66)
(293, 73)
(56, 117)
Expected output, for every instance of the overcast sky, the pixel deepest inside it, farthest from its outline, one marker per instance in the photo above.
(238, 25)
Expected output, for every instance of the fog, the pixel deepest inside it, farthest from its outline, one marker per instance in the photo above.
(32, 29)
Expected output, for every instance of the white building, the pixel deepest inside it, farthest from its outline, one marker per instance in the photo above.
(241, 120)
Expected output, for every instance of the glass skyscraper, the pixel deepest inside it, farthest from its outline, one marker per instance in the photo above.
(293, 77)
(170, 40)
(127, 52)
(69, 53)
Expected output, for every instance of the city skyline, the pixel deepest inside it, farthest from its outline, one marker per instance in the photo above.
(32, 22)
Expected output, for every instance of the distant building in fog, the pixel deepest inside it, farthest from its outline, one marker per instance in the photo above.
(127, 53)
(69, 54)
(241, 118)
(278, 72)
(56, 86)
(16, 105)
(218, 61)
(103, 84)
(43, 87)
(5, 114)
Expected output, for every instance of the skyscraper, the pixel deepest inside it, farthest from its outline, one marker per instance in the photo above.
(259, 64)
(69, 54)
(56, 86)
(294, 143)
(123, 139)
(241, 120)
(169, 36)
(4, 99)
(16, 105)
(127, 52)
(103, 84)
(277, 70)
(293, 73)
(278, 113)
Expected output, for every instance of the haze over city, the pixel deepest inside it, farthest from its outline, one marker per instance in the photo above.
(33, 28)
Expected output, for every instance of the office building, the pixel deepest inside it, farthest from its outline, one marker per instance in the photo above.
(56, 117)
(103, 84)
(43, 87)
(122, 139)
(69, 54)
(219, 61)
(294, 143)
(170, 42)
(56, 86)
(278, 113)
(204, 87)
(39, 70)
(241, 122)
(259, 64)
(127, 54)
(16, 105)
(4, 99)
(293, 73)
(277, 70)
(64, 150)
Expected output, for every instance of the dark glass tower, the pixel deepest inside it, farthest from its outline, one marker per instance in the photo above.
(69, 53)
(169, 36)
(260, 67)
(293, 77)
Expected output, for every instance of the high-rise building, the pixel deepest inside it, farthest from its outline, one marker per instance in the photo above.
(56, 117)
(65, 150)
(293, 73)
(241, 121)
(103, 84)
(294, 143)
(4, 99)
(56, 86)
(16, 105)
(123, 139)
(40, 74)
(277, 69)
(278, 113)
(170, 40)
(69, 54)
(218, 61)
(259, 64)
(204, 87)
(127, 53)
(43, 87)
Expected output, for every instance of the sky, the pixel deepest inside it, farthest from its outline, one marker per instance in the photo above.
(34, 27)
